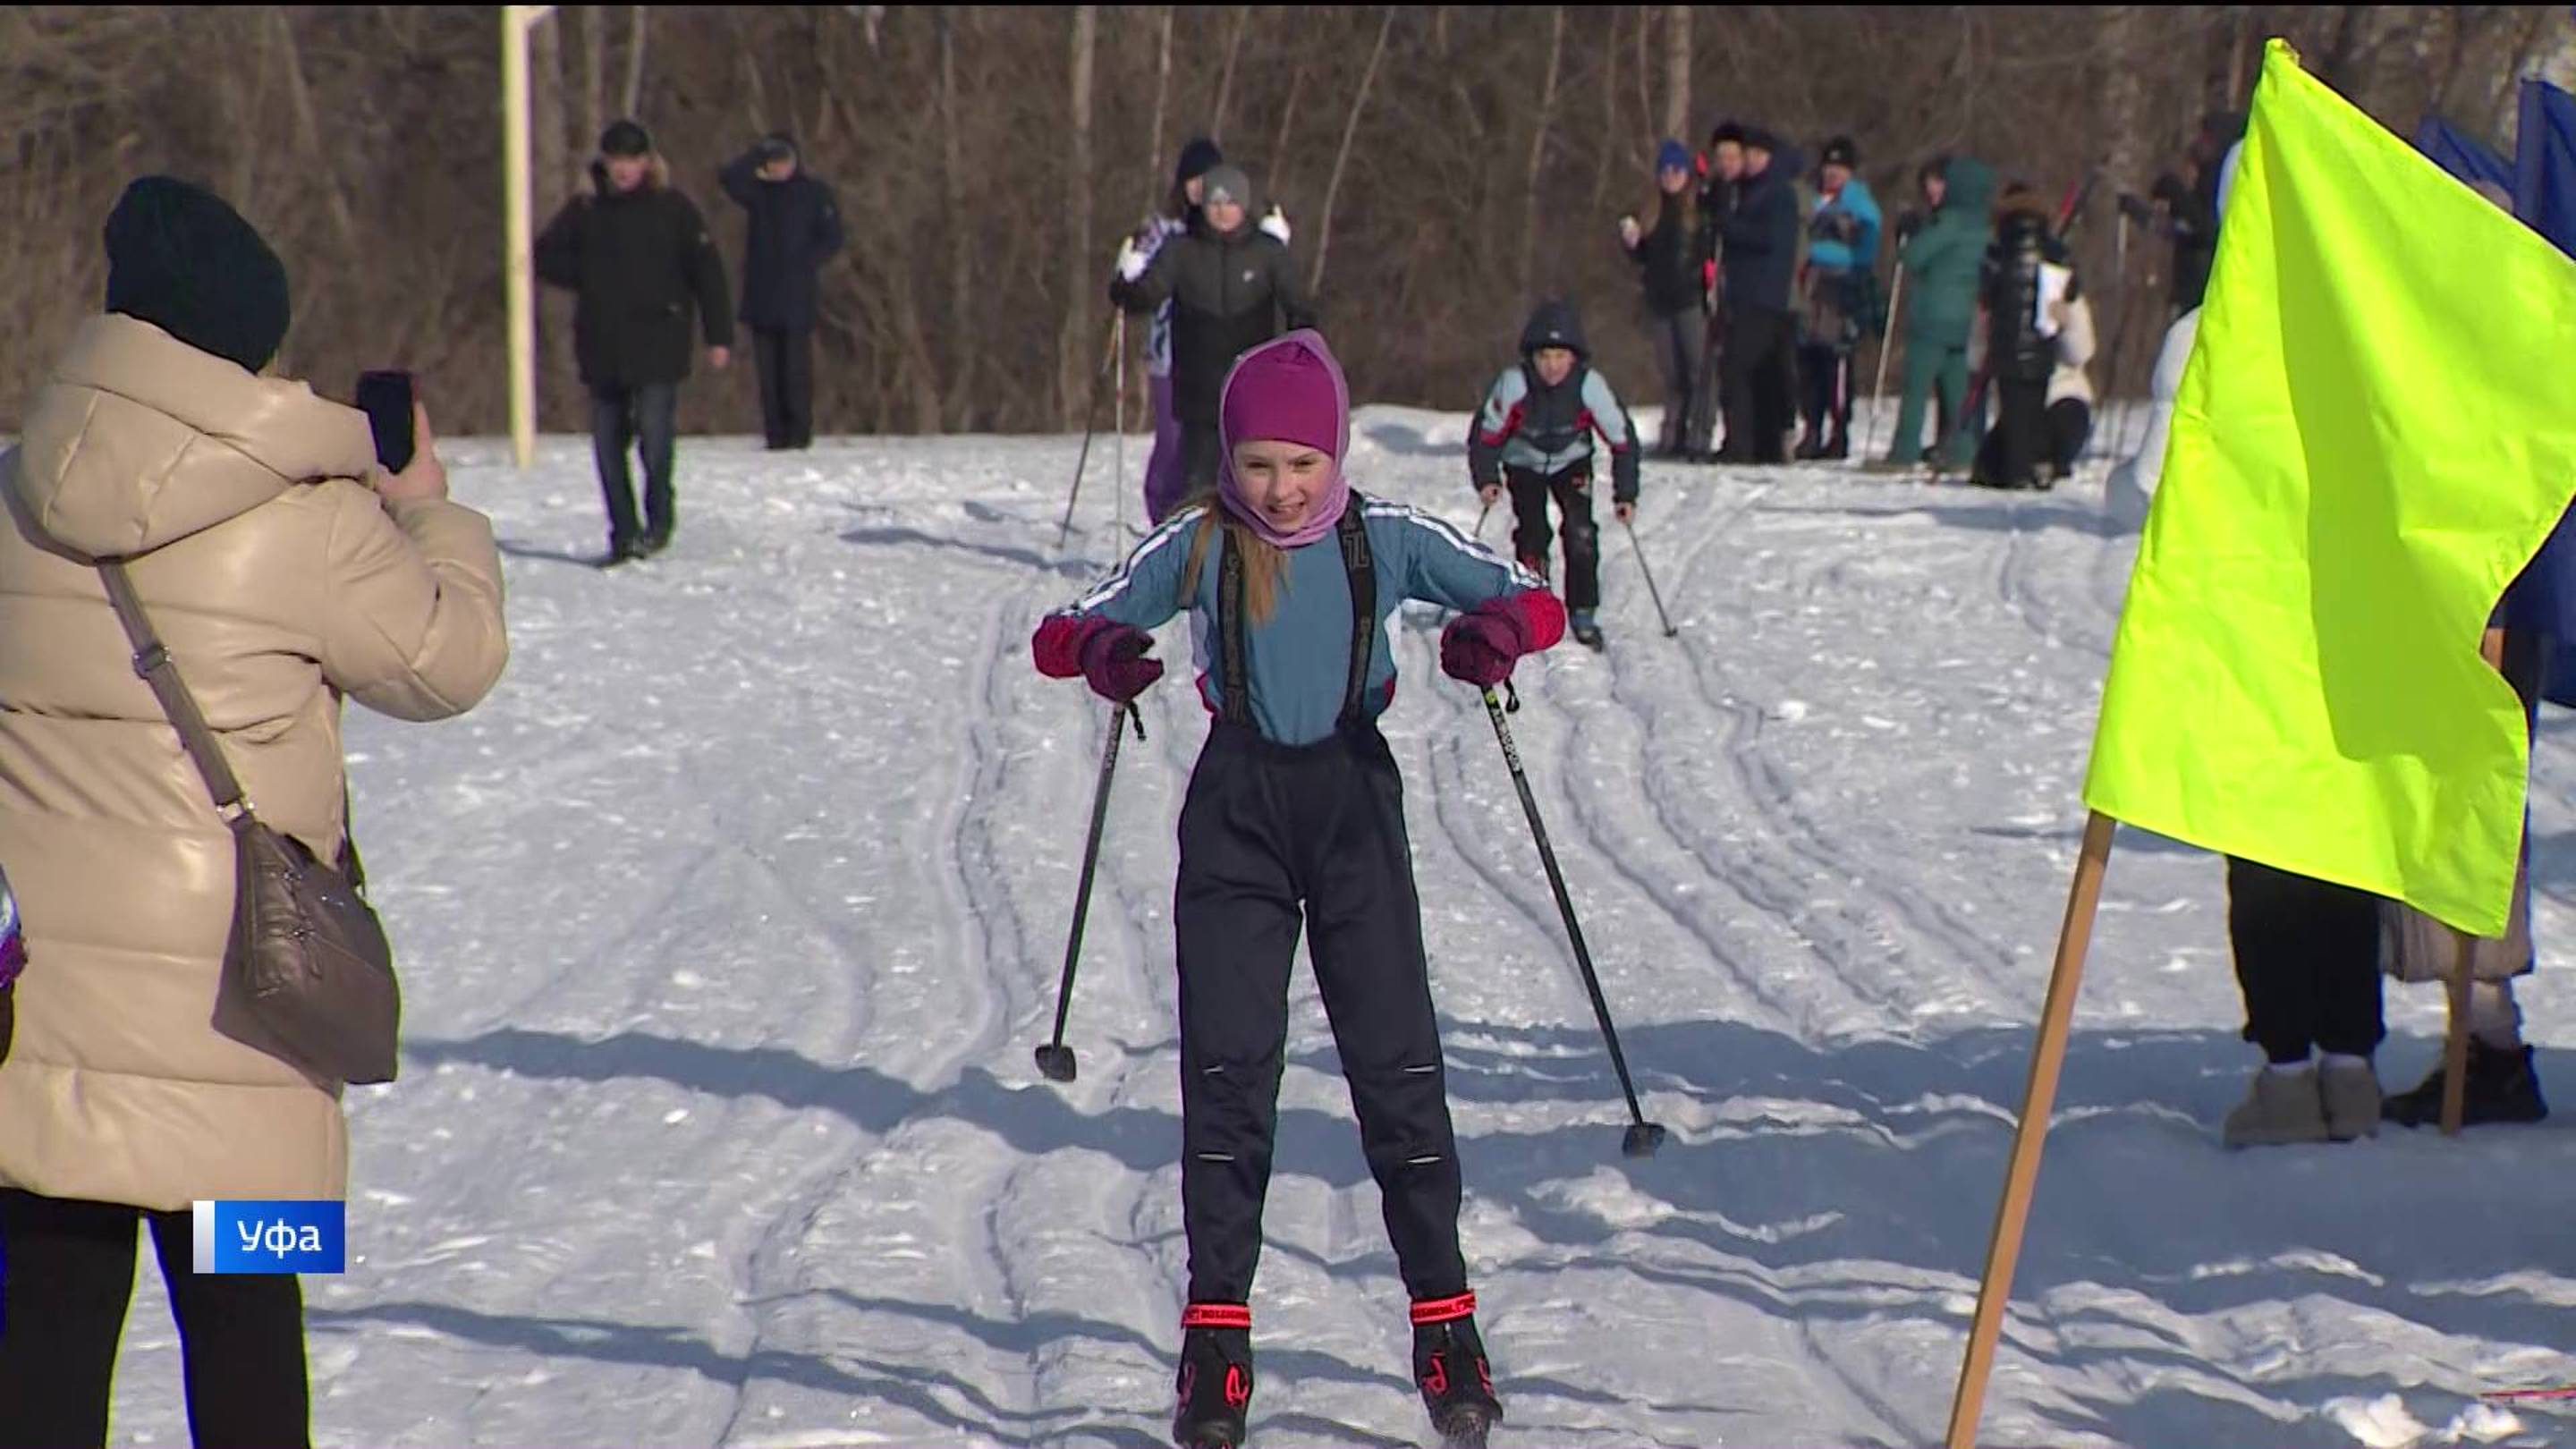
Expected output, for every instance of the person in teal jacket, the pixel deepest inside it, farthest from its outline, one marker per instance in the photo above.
(1838, 279)
(1942, 267)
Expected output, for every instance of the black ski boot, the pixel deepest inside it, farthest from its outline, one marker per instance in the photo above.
(1215, 1388)
(1457, 1385)
(2502, 1088)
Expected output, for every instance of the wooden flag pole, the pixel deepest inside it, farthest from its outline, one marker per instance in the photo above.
(2455, 1050)
(2083, 902)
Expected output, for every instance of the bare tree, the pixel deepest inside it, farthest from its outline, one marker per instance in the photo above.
(1342, 156)
(1076, 351)
(1538, 147)
(1677, 70)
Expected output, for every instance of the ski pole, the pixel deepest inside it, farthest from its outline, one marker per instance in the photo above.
(1643, 1137)
(1090, 419)
(1055, 1059)
(1481, 515)
(1118, 417)
(1878, 389)
(1670, 628)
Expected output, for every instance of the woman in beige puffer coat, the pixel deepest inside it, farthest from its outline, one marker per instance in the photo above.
(280, 583)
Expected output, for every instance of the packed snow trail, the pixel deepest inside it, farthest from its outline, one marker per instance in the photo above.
(729, 923)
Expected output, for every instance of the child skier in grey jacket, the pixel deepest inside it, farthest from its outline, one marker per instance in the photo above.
(1535, 436)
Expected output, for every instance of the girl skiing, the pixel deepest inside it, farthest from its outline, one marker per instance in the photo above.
(1295, 816)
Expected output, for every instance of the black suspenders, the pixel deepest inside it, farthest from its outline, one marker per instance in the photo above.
(1233, 675)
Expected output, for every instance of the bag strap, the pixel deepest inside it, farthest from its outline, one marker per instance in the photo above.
(152, 661)
(1358, 563)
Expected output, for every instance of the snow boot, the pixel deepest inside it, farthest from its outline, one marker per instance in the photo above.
(1585, 631)
(1810, 448)
(2283, 1107)
(1457, 1384)
(2502, 1088)
(1214, 1389)
(2350, 1091)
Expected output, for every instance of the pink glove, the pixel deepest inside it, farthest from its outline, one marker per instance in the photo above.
(1117, 665)
(1480, 647)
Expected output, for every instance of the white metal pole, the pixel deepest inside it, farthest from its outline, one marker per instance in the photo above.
(519, 267)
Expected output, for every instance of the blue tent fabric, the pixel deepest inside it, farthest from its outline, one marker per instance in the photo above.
(2543, 599)
(2461, 154)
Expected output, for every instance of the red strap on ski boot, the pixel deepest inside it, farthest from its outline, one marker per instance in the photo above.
(1444, 1310)
(1217, 1315)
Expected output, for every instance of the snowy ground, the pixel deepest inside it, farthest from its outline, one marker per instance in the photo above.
(730, 921)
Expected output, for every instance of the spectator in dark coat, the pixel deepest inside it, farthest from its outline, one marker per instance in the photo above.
(795, 228)
(1668, 259)
(1760, 263)
(2021, 352)
(638, 257)
(1231, 285)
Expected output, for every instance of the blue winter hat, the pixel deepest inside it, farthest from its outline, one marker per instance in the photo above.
(1672, 156)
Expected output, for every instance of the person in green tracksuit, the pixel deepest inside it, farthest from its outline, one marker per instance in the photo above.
(1941, 275)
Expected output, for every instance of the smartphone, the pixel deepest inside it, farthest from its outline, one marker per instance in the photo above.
(386, 399)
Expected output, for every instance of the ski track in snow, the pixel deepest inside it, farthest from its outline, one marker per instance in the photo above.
(730, 921)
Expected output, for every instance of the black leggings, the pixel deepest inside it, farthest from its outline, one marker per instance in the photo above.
(70, 1277)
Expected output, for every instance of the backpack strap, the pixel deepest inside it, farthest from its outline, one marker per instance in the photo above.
(1233, 669)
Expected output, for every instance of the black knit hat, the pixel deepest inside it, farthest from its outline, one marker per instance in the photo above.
(1758, 139)
(182, 260)
(1726, 131)
(776, 146)
(1841, 152)
(625, 138)
(1199, 157)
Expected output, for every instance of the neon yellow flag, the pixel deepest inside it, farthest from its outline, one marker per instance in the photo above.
(2376, 431)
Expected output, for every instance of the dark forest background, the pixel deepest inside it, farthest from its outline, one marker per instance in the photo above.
(1444, 165)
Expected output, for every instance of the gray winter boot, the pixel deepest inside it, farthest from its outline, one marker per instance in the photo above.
(2351, 1093)
(2282, 1108)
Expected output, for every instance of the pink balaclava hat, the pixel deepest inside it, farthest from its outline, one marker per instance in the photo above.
(1288, 389)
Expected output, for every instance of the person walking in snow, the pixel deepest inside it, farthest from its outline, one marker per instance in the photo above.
(1668, 258)
(1717, 197)
(1180, 216)
(1295, 813)
(638, 257)
(1943, 266)
(1534, 436)
(2307, 960)
(1760, 265)
(286, 571)
(1232, 285)
(1841, 281)
(795, 229)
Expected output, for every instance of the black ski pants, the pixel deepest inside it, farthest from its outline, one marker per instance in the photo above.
(1532, 533)
(70, 1277)
(2307, 956)
(1202, 453)
(1756, 383)
(1275, 837)
(645, 418)
(785, 359)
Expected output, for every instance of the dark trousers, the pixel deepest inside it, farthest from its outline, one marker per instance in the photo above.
(1680, 340)
(2307, 956)
(1826, 370)
(2020, 441)
(1202, 452)
(1572, 490)
(70, 1277)
(1267, 829)
(1756, 383)
(646, 419)
(2070, 425)
(786, 363)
